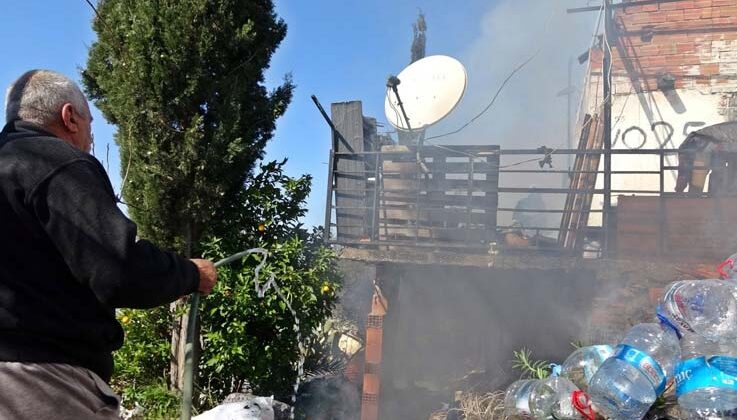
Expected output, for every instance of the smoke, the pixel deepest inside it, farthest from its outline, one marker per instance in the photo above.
(530, 112)
(449, 321)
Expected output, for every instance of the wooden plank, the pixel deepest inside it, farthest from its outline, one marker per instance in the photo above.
(348, 120)
(400, 167)
(694, 227)
(393, 185)
(371, 143)
(426, 202)
(565, 222)
(638, 226)
(447, 199)
(403, 151)
(440, 168)
(591, 163)
(580, 203)
(390, 231)
(472, 236)
(451, 217)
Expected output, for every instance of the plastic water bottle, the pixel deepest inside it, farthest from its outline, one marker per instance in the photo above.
(517, 398)
(706, 377)
(552, 398)
(704, 307)
(629, 382)
(583, 363)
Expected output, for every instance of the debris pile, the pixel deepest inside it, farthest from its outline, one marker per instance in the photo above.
(682, 366)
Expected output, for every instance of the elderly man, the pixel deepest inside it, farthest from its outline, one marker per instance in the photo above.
(68, 258)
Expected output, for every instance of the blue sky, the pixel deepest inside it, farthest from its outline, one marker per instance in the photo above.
(343, 50)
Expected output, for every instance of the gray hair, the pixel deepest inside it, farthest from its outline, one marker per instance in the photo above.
(38, 96)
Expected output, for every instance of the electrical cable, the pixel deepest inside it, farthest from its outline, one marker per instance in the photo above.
(493, 99)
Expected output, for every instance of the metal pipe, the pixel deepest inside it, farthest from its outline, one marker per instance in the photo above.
(461, 152)
(329, 196)
(188, 376)
(608, 28)
(335, 135)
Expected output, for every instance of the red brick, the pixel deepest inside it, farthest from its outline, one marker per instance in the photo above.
(650, 18)
(650, 8)
(658, 61)
(678, 5)
(707, 12)
(668, 48)
(725, 20)
(692, 14)
(629, 10)
(674, 16)
(717, 3)
(710, 69)
(727, 11)
(685, 47)
(644, 51)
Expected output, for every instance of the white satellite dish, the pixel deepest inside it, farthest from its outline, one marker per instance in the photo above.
(429, 89)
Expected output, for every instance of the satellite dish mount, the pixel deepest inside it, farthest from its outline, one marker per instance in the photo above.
(392, 84)
(424, 92)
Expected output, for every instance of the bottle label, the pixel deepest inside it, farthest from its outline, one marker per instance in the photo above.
(725, 364)
(643, 363)
(675, 303)
(697, 373)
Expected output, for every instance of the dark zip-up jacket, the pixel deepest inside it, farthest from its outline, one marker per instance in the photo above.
(69, 256)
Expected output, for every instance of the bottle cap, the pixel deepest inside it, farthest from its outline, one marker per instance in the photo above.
(555, 370)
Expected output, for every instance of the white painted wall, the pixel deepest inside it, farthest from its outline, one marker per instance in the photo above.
(653, 120)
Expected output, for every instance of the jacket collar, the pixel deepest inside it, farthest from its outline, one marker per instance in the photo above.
(25, 127)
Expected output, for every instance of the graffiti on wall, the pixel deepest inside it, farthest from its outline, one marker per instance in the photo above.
(635, 137)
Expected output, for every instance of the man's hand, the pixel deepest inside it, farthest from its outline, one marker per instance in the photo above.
(208, 275)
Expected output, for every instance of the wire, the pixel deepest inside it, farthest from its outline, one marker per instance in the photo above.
(493, 99)
(597, 106)
(394, 108)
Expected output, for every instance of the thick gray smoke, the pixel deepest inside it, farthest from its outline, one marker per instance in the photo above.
(450, 321)
(529, 112)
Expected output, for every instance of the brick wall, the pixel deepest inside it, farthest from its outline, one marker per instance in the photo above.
(693, 40)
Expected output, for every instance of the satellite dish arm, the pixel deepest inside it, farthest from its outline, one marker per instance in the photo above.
(392, 83)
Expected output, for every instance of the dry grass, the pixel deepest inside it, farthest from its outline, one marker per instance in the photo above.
(439, 415)
(488, 406)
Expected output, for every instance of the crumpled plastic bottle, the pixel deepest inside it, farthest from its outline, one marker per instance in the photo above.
(704, 307)
(628, 383)
(583, 363)
(706, 377)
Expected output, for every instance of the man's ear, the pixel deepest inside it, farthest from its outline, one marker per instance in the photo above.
(69, 118)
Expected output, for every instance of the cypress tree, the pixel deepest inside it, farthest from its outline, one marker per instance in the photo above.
(183, 81)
